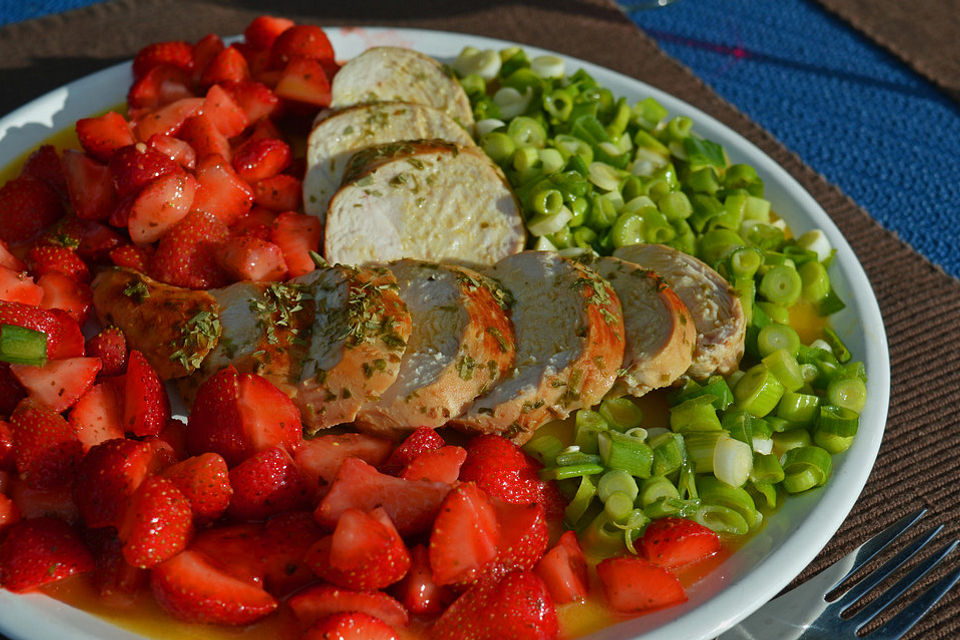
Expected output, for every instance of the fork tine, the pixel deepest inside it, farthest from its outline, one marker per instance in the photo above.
(866, 552)
(887, 597)
(904, 621)
(879, 574)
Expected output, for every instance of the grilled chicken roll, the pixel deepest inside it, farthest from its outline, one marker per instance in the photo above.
(568, 327)
(716, 309)
(462, 342)
(430, 200)
(337, 135)
(398, 74)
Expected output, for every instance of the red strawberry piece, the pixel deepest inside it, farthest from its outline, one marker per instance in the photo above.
(204, 51)
(304, 80)
(279, 193)
(674, 542)
(109, 475)
(102, 136)
(175, 435)
(297, 235)
(176, 53)
(523, 536)
(19, 287)
(204, 136)
(283, 546)
(420, 441)
(417, 591)
(190, 587)
(261, 158)
(63, 293)
(257, 223)
(118, 584)
(175, 149)
(222, 192)
(320, 458)
(9, 513)
(146, 406)
(350, 626)
(250, 258)
(412, 505)
(7, 462)
(131, 256)
(300, 41)
(137, 165)
(46, 448)
(365, 552)
(168, 119)
(46, 258)
(633, 584)
(234, 548)
(228, 65)
(58, 384)
(156, 524)
(110, 346)
(266, 484)
(162, 85)
(11, 392)
(465, 536)
(160, 205)
(316, 603)
(90, 186)
(27, 207)
(10, 261)
(184, 256)
(564, 570)
(40, 551)
(205, 482)
(256, 99)
(227, 116)
(64, 339)
(439, 465)
(518, 607)
(44, 164)
(92, 240)
(263, 30)
(238, 416)
(97, 416)
(53, 502)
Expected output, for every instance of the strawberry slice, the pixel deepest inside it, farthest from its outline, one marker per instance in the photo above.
(27, 207)
(63, 293)
(110, 345)
(256, 99)
(64, 339)
(300, 41)
(261, 158)
(564, 570)
(674, 542)
(250, 258)
(222, 192)
(412, 505)
(201, 132)
(146, 406)
(316, 603)
(168, 119)
(523, 536)
(417, 591)
(102, 136)
(266, 484)
(117, 583)
(320, 458)
(234, 548)
(9, 260)
(351, 625)
(256, 223)
(204, 51)
(58, 384)
(517, 607)
(228, 65)
(297, 235)
(132, 257)
(45, 259)
(46, 448)
(175, 149)
(92, 240)
(205, 482)
(465, 536)
(19, 287)
(40, 551)
(190, 587)
(162, 85)
(160, 205)
(439, 465)
(184, 256)
(44, 164)
(283, 546)
(279, 193)
(9, 513)
(175, 53)
(90, 186)
(420, 441)
(305, 81)
(7, 462)
(156, 524)
(633, 584)
(98, 415)
(223, 111)
(263, 30)
(137, 165)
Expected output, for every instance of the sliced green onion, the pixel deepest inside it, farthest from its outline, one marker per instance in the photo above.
(799, 409)
(665, 507)
(776, 336)
(766, 468)
(791, 439)
(657, 488)
(545, 224)
(721, 519)
(544, 448)
(695, 414)
(621, 414)
(758, 391)
(805, 467)
(620, 451)
(785, 367)
(767, 491)
(849, 393)
(816, 282)
(570, 471)
(20, 345)
(781, 285)
(573, 455)
(732, 461)
(836, 345)
(602, 536)
(669, 452)
(581, 500)
(616, 481)
(618, 505)
(713, 491)
(817, 242)
(548, 66)
(838, 421)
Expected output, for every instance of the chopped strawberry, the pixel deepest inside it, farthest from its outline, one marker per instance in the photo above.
(19, 287)
(632, 584)
(27, 207)
(297, 235)
(204, 481)
(321, 601)
(132, 257)
(11, 393)
(249, 258)
(439, 465)
(40, 551)
(420, 441)
(118, 584)
(257, 223)
(160, 205)
(97, 416)
(201, 132)
(44, 164)
(7, 461)
(300, 41)
(58, 384)
(518, 607)
(162, 85)
(46, 448)
(238, 416)
(351, 625)
(228, 65)
(226, 115)
(146, 406)
(191, 587)
(263, 30)
(465, 536)
(11, 261)
(102, 136)
(64, 339)
(9, 513)
(168, 119)
(175, 435)
(365, 552)
(92, 240)
(283, 546)
(175, 149)
(156, 524)
(261, 158)
(235, 548)
(63, 293)
(110, 346)
(674, 542)
(222, 192)
(90, 186)
(523, 536)
(46, 258)
(417, 591)
(320, 458)
(412, 505)
(54, 502)
(266, 484)
(279, 193)
(137, 165)
(204, 51)
(304, 80)
(564, 570)
(184, 256)
(256, 99)
(176, 53)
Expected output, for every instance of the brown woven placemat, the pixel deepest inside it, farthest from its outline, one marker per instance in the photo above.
(923, 33)
(919, 462)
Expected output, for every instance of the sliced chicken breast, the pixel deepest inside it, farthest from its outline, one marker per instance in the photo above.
(462, 343)
(570, 343)
(430, 200)
(716, 309)
(338, 134)
(403, 75)
(660, 332)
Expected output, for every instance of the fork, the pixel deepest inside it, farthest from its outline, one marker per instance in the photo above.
(805, 614)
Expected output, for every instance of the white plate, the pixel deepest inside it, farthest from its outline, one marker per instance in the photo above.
(754, 574)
